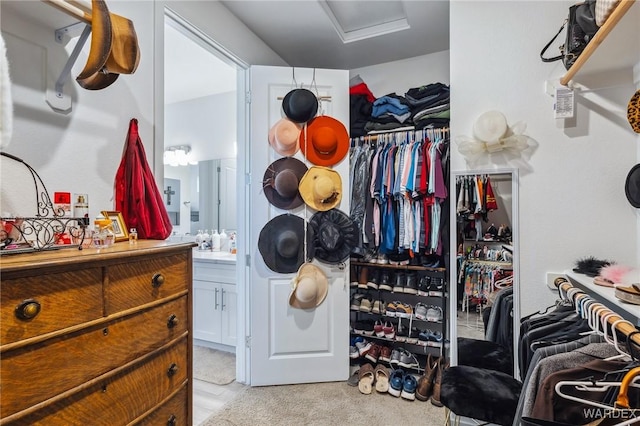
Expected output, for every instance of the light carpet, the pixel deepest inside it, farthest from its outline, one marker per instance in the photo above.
(323, 404)
(213, 366)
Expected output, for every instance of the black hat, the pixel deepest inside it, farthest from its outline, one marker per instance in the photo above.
(281, 180)
(632, 186)
(335, 235)
(300, 105)
(281, 243)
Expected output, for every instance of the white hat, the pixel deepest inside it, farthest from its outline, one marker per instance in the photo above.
(283, 137)
(309, 287)
(490, 126)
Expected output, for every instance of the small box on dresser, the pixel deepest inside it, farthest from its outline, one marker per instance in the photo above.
(99, 337)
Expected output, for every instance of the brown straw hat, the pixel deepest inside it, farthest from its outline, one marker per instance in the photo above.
(325, 142)
(283, 137)
(281, 180)
(309, 287)
(321, 188)
(281, 243)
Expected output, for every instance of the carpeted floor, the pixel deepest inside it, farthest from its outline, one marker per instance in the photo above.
(323, 404)
(213, 366)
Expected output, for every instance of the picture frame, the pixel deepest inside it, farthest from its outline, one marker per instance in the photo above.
(118, 225)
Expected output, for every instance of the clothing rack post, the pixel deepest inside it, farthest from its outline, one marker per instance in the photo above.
(625, 328)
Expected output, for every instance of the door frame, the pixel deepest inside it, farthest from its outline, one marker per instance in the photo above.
(242, 159)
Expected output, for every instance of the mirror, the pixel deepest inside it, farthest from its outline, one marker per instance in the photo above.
(200, 131)
(484, 275)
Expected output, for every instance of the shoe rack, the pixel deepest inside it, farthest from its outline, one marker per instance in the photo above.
(411, 299)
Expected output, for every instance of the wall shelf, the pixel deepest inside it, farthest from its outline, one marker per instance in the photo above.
(605, 29)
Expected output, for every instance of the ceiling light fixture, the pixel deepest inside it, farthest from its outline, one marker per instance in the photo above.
(354, 22)
(179, 155)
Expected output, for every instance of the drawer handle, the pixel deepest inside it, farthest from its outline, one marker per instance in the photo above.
(172, 321)
(157, 280)
(172, 421)
(28, 309)
(172, 370)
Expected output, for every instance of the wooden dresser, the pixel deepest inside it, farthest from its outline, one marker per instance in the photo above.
(97, 336)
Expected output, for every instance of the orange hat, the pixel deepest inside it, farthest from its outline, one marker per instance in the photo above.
(326, 143)
(283, 137)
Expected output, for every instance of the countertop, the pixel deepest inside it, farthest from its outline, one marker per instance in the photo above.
(214, 257)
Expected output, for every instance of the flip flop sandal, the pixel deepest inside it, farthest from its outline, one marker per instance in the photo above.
(366, 377)
(354, 379)
(382, 378)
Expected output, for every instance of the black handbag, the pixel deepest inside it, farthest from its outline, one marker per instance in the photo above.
(581, 27)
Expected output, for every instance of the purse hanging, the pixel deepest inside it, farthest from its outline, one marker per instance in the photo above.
(580, 28)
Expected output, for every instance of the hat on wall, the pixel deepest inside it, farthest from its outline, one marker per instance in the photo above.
(281, 243)
(632, 186)
(281, 180)
(326, 141)
(633, 112)
(283, 137)
(490, 126)
(309, 287)
(335, 235)
(321, 188)
(300, 105)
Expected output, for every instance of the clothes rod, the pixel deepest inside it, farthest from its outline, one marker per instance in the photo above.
(74, 8)
(624, 327)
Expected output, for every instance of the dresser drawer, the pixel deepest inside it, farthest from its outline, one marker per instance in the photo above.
(173, 413)
(41, 371)
(137, 283)
(64, 299)
(126, 396)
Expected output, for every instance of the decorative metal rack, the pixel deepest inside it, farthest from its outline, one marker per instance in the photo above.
(42, 231)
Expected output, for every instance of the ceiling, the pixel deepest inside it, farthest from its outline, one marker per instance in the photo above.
(303, 34)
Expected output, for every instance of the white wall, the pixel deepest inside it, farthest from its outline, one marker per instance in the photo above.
(572, 201)
(400, 76)
(80, 152)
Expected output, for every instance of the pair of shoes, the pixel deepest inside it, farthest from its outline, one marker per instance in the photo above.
(437, 382)
(368, 376)
(399, 281)
(363, 278)
(374, 279)
(436, 284)
(363, 346)
(374, 353)
(353, 349)
(385, 281)
(404, 310)
(427, 336)
(434, 314)
(379, 307)
(411, 284)
(401, 357)
(425, 383)
(356, 299)
(389, 330)
(402, 384)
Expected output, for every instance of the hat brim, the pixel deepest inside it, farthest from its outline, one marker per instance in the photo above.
(348, 231)
(281, 164)
(632, 186)
(306, 188)
(124, 56)
(267, 243)
(101, 40)
(320, 279)
(295, 147)
(97, 81)
(317, 157)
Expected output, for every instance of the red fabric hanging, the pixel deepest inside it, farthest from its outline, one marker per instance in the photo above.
(136, 194)
(492, 204)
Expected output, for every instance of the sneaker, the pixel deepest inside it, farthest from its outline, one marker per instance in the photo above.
(399, 280)
(378, 329)
(373, 353)
(374, 279)
(420, 311)
(408, 360)
(378, 307)
(423, 285)
(366, 304)
(409, 387)
(359, 327)
(401, 334)
(383, 259)
(396, 382)
(404, 310)
(385, 354)
(391, 309)
(363, 346)
(353, 350)
(434, 314)
(412, 338)
(385, 281)
(395, 357)
(389, 330)
(355, 301)
(436, 284)
(363, 279)
(411, 284)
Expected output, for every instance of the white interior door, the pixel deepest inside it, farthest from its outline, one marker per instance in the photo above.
(291, 345)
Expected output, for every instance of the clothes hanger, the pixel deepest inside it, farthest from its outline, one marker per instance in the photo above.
(591, 386)
(622, 354)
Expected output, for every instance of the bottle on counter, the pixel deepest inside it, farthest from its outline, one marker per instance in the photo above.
(103, 235)
(199, 237)
(81, 208)
(224, 241)
(133, 236)
(215, 241)
(232, 243)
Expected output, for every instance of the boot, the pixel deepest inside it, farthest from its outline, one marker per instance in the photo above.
(364, 277)
(425, 384)
(435, 397)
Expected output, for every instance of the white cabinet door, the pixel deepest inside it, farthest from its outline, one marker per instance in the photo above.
(206, 311)
(292, 345)
(228, 310)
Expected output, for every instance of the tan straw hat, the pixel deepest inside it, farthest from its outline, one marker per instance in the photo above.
(321, 188)
(309, 287)
(283, 137)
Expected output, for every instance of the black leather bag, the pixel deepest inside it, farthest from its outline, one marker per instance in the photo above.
(580, 28)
